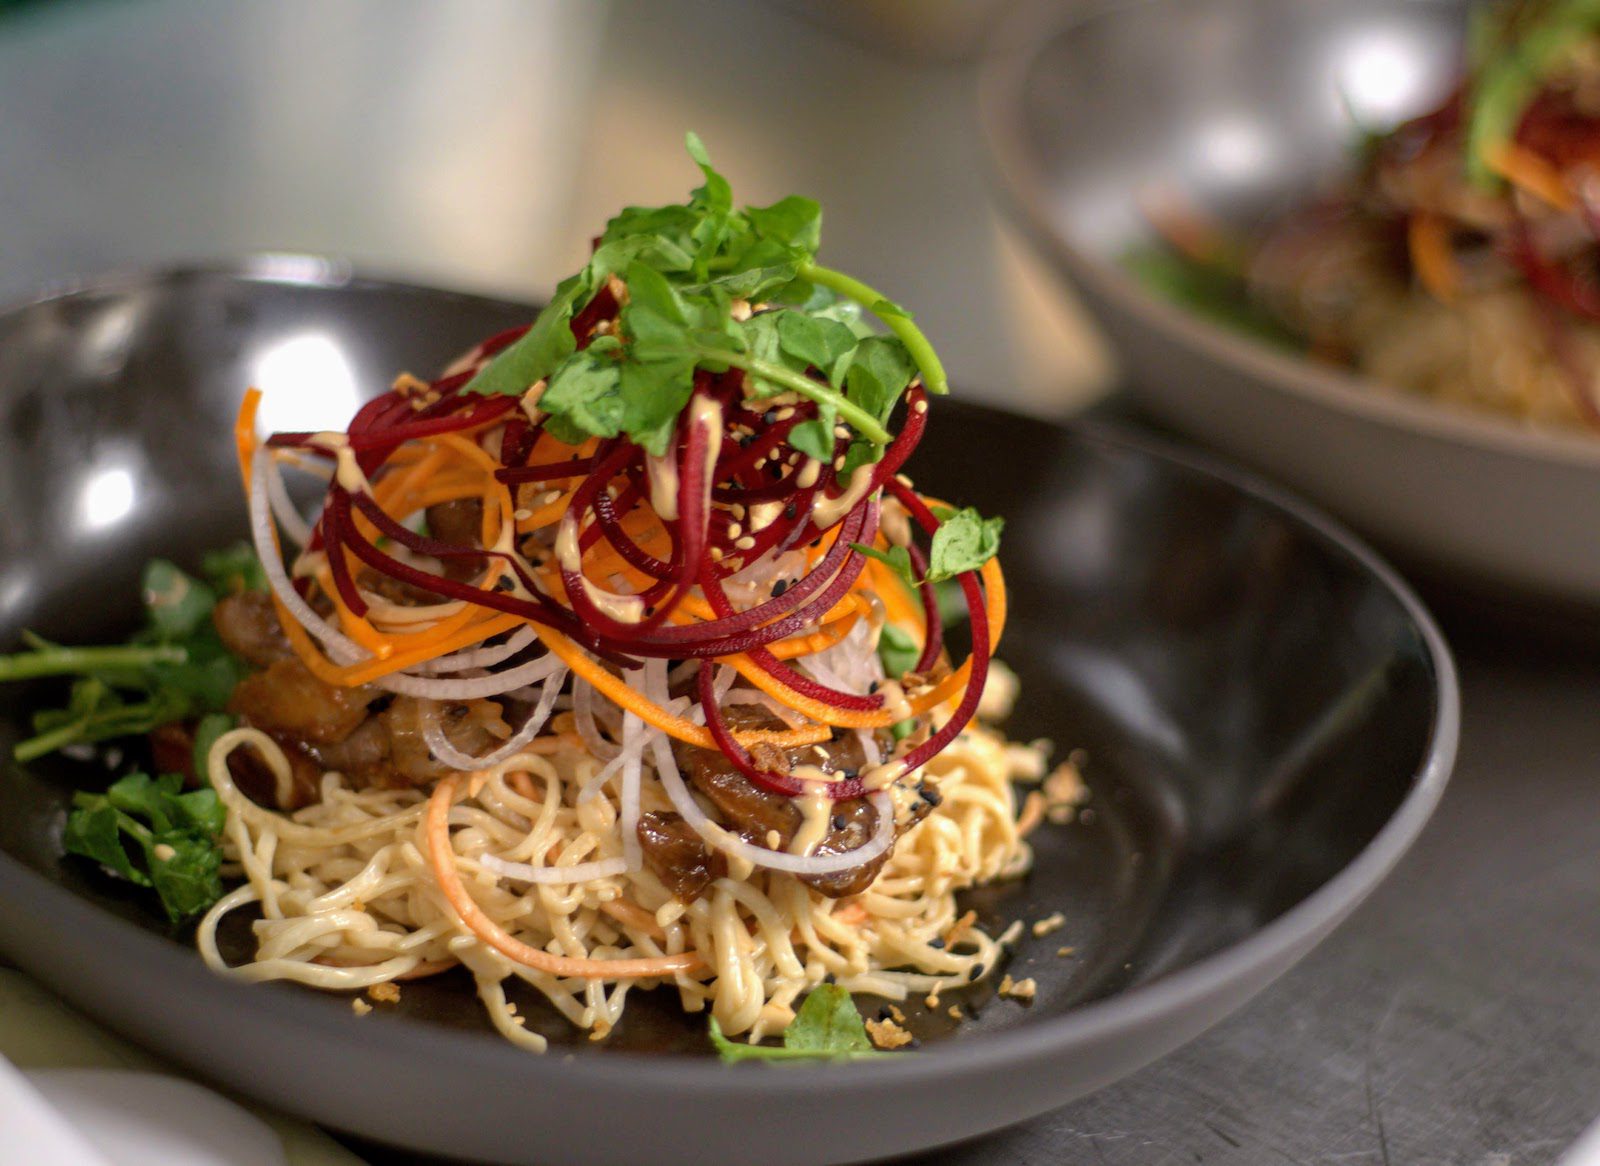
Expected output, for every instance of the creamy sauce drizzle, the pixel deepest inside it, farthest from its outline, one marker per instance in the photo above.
(827, 511)
(663, 474)
(816, 809)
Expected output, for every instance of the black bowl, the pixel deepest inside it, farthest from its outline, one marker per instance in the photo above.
(1269, 718)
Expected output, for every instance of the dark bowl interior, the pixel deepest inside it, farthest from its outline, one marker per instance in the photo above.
(1256, 698)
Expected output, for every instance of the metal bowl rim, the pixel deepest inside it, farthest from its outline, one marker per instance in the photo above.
(1007, 64)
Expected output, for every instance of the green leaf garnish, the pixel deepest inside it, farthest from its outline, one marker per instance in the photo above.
(826, 1028)
(1512, 65)
(682, 267)
(150, 832)
(964, 542)
(898, 651)
(175, 668)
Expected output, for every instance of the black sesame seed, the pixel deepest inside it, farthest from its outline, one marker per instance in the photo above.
(744, 442)
(790, 510)
(838, 822)
(504, 583)
(930, 795)
(769, 417)
(849, 771)
(828, 979)
(977, 972)
(780, 587)
(873, 687)
(775, 469)
(937, 943)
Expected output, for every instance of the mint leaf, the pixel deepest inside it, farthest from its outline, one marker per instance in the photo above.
(964, 542)
(827, 1027)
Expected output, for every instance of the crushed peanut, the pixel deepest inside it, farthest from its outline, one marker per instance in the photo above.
(1049, 924)
(886, 1034)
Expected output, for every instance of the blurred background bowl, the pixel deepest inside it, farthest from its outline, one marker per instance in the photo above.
(1243, 108)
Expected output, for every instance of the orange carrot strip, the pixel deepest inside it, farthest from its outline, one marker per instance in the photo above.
(244, 433)
(1428, 237)
(646, 710)
(441, 859)
(1528, 171)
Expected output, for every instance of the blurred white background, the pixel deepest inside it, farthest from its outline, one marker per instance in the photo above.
(480, 143)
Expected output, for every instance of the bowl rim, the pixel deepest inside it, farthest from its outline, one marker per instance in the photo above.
(1273, 946)
(1007, 65)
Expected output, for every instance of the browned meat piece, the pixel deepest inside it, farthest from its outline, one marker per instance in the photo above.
(285, 697)
(256, 781)
(395, 590)
(458, 522)
(755, 812)
(674, 851)
(248, 625)
(473, 727)
(172, 749)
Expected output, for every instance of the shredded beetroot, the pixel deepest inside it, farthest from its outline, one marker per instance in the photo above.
(728, 457)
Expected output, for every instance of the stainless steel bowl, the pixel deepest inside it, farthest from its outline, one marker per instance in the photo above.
(1244, 107)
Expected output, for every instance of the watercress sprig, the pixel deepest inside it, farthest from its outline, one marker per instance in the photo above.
(678, 271)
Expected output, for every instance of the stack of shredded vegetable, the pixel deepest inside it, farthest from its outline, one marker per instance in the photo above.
(700, 411)
(675, 708)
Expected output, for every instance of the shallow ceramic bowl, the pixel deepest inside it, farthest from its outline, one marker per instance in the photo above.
(1269, 718)
(1244, 107)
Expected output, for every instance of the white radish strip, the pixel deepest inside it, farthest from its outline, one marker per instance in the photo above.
(283, 507)
(632, 772)
(583, 696)
(872, 756)
(340, 647)
(582, 872)
(473, 687)
(441, 747)
(478, 657)
(347, 651)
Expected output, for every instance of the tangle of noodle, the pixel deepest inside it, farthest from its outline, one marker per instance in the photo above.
(349, 898)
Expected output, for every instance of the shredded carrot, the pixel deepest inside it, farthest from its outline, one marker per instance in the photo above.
(1428, 236)
(244, 433)
(1528, 171)
(650, 712)
(441, 860)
